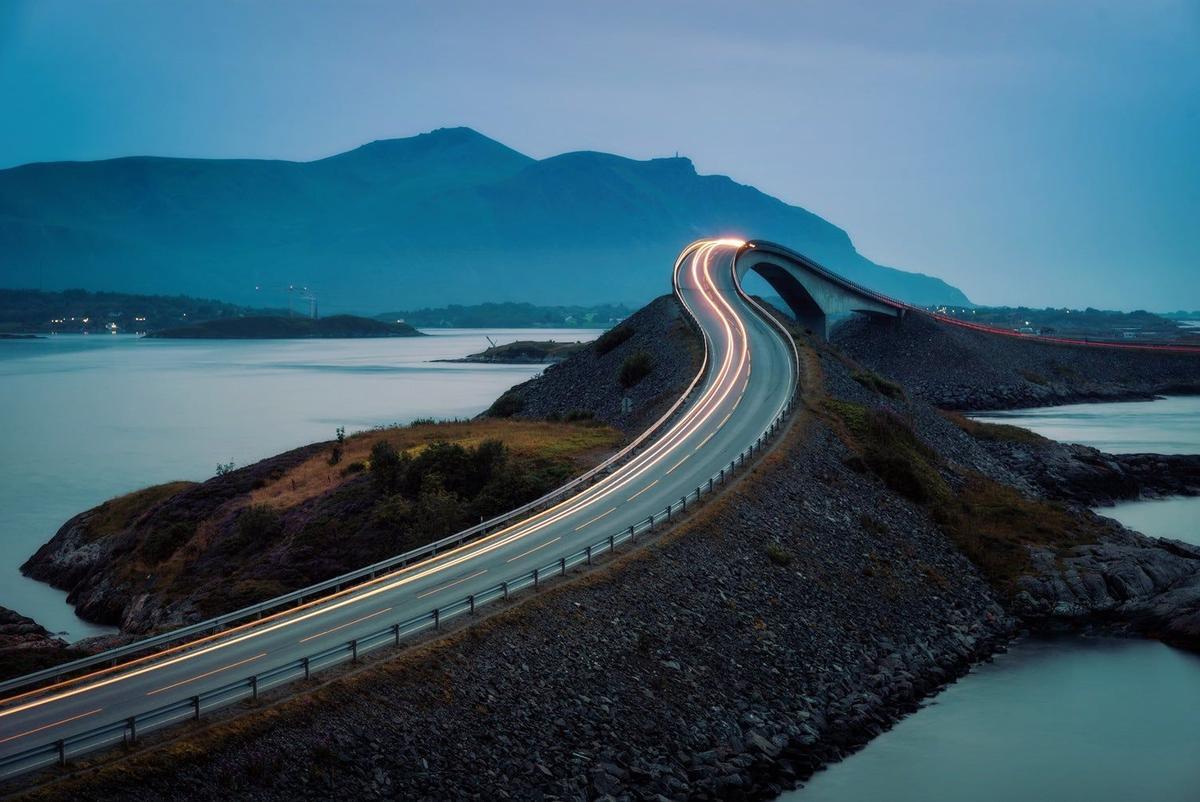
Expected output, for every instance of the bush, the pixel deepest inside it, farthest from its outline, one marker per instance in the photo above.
(160, 544)
(612, 338)
(358, 466)
(256, 524)
(387, 468)
(777, 554)
(635, 368)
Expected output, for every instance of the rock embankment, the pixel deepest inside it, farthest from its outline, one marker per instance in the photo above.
(780, 628)
(956, 368)
(595, 381)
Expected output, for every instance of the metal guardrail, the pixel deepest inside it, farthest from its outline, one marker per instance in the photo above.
(338, 583)
(129, 730)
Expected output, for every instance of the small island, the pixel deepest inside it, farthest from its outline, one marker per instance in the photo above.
(272, 327)
(524, 352)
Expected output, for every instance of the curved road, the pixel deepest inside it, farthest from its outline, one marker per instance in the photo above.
(748, 378)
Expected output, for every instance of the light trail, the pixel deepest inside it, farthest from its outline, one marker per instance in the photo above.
(330, 631)
(729, 379)
(207, 674)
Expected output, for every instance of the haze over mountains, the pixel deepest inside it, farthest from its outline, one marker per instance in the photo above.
(445, 217)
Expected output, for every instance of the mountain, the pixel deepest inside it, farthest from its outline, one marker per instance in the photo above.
(445, 217)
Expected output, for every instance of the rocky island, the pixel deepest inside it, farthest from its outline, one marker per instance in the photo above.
(883, 546)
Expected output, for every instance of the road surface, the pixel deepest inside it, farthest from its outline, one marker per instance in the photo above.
(749, 377)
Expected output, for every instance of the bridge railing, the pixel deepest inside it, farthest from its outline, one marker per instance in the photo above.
(127, 731)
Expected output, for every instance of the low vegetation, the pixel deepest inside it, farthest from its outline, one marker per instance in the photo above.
(278, 525)
(878, 384)
(996, 432)
(612, 338)
(635, 368)
(991, 522)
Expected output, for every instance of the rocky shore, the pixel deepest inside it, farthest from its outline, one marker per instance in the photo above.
(957, 368)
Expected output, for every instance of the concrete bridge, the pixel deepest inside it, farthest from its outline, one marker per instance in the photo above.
(813, 293)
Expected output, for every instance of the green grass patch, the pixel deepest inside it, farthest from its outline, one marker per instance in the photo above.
(998, 432)
(878, 384)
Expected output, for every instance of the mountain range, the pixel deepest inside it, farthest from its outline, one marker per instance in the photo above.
(450, 216)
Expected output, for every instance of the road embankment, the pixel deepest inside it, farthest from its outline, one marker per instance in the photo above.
(962, 369)
(876, 553)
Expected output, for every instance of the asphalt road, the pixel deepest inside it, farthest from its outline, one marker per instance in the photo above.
(749, 376)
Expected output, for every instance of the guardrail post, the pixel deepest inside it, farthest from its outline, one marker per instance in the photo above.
(132, 722)
(196, 708)
(254, 688)
(668, 512)
(396, 633)
(354, 651)
(722, 476)
(710, 484)
(612, 540)
(471, 599)
(683, 504)
(589, 555)
(308, 671)
(505, 586)
(562, 566)
(437, 619)
(535, 577)
(62, 751)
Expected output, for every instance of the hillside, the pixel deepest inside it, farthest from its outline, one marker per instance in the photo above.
(271, 327)
(448, 216)
(79, 311)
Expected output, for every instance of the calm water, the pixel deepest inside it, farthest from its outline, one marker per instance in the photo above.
(1166, 426)
(1093, 720)
(90, 417)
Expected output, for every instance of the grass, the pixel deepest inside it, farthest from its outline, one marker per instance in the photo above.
(546, 439)
(878, 384)
(992, 523)
(997, 432)
(118, 514)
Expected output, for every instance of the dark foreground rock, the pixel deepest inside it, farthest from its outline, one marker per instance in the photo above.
(956, 368)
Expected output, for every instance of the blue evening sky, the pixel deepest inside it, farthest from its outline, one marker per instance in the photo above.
(1034, 152)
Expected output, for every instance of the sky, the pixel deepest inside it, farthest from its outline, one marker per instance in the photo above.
(1029, 152)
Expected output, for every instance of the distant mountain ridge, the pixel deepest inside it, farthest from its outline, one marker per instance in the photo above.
(450, 216)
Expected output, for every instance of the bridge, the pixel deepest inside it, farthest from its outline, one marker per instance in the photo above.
(812, 293)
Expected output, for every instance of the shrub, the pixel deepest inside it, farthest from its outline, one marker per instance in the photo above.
(777, 554)
(256, 524)
(635, 368)
(386, 468)
(163, 542)
(612, 338)
(358, 466)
